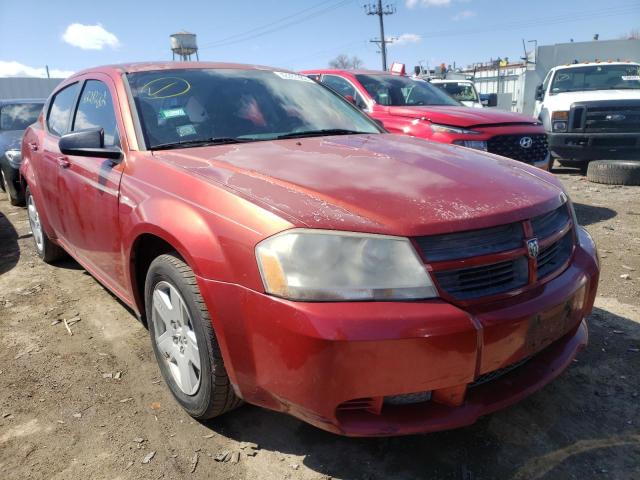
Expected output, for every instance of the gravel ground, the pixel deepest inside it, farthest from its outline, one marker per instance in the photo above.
(93, 405)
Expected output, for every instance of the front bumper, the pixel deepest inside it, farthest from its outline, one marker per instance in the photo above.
(13, 178)
(333, 364)
(595, 146)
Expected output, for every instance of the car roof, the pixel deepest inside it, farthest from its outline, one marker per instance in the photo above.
(118, 69)
(349, 72)
(590, 64)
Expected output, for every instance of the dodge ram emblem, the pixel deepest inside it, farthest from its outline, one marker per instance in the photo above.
(533, 248)
(526, 142)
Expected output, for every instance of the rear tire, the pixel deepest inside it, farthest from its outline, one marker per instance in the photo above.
(45, 248)
(178, 321)
(614, 172)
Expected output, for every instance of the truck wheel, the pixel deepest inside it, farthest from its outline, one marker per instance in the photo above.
(183, 340)
(614, 172)
(46, 249)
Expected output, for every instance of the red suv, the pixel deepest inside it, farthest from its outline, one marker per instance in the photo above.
(285, 251)
(411, 106)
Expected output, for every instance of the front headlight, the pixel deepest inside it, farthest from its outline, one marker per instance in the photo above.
(326, 265)
(14, 157)
(559, 121)
(447, 129)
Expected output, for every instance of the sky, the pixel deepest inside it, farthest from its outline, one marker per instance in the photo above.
(69, 35)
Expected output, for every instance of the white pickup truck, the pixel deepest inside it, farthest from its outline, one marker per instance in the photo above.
(591, 111)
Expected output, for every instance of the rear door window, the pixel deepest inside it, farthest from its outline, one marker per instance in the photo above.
(59, 115)
(95, 110)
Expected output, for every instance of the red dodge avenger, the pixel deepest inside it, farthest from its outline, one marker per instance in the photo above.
(285, 251)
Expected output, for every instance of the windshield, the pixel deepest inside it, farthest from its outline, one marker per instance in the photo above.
(596, 77)
(19, 116)
(461, 91)
(189, 106)
(396, 90)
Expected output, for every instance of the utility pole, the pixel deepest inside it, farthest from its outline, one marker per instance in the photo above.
(380, 11)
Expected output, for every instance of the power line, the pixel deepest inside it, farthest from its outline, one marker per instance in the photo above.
(380, 11)
(282, 23)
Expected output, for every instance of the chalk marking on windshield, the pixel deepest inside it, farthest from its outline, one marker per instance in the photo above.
(146, 88)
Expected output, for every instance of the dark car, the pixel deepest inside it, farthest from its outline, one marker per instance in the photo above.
(15, 116)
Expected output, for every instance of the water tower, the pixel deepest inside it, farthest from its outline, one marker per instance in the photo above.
(183, 44)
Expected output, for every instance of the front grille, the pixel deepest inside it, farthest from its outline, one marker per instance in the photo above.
(612, 119)
(554, 256)
(549, 223)
(454, 256)
(485, 242)
(605, 116)
(485, 280)
(509, 146)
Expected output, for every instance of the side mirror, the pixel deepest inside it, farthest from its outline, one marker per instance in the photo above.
(539, 93)
(493, 100)
(88, 143)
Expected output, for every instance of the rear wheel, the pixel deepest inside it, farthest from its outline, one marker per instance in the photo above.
(46, 249)
(183, 340)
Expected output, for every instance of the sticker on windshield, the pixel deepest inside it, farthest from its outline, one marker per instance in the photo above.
(293, 76)
(186, 130)
(630, 77)
(172, 113)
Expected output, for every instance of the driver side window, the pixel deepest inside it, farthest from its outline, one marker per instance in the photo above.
(95, 110)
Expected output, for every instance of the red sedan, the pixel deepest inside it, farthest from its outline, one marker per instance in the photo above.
(410, 106)
(285, 251)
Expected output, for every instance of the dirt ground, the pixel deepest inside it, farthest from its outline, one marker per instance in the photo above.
(92, 404)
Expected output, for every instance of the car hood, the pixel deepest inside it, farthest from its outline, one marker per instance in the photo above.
(563, 100)
(10, 139)
(382, 183)
(461, 116)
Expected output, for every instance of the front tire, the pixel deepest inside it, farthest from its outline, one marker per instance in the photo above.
(183, 340)
(45, 248)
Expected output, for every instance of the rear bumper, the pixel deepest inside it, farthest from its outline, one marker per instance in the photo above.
(595, 146)
(13, 178)
(333, 364)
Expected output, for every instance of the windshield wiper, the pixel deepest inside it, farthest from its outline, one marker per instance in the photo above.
(198, 143)
(319, 133)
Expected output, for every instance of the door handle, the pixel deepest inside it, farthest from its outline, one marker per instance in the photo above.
(33, 146)
(63, 162)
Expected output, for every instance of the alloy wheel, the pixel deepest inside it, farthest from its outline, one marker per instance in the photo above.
(34, 222)
(174, 336)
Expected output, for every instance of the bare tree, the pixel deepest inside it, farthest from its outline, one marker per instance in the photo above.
(343, 62)
(634, 34)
